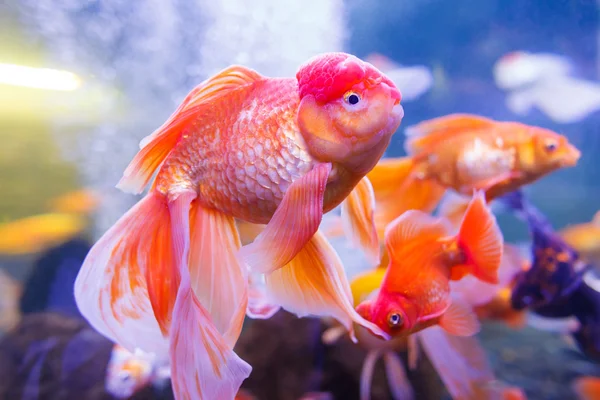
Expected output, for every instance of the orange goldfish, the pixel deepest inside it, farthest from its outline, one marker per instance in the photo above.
(171, 276)
(424, 257)
(82, 201)
(465, 152)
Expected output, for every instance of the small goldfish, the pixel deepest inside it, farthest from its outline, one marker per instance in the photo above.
(82, 201)
(172, 274)
(545, 81)
(585, 238)
(127, 372)
(465, 152)
(586, 387)
(424, 257)
(39, 232)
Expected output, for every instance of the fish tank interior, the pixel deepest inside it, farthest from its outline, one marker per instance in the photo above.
(82, 82)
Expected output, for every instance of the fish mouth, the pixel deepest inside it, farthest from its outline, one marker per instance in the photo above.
(571, 157)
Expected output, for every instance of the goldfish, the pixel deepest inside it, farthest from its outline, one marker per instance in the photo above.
(39, 232)
(127, 372)
(465, 152)
(585, 238)
(424, 257)
(545, 81)
(82, 201)
(170, 277)
(586, 387)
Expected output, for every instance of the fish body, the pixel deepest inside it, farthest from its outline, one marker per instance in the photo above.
(127, 372)
(171, 276)
(585, 238)
(424, 257)
(464, 152)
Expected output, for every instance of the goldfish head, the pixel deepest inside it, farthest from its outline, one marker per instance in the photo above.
(395, 315)
(551, 151)
(348, 110)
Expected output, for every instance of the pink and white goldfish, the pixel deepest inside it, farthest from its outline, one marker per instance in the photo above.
(543, 80)
(171, 276)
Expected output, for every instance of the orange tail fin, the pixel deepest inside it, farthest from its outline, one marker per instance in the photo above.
(398, 188)
(118, 292)
(480, 238)
(587, 388)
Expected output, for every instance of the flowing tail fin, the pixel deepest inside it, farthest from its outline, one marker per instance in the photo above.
(399, 188)
(481, 240)
(115, 289)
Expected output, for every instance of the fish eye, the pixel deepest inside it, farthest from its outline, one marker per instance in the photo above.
(395, 320)
(352, 98)
(550, 146)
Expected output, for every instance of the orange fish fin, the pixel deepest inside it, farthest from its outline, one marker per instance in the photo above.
(155, 148)
(110, 288)
(459, 319)
(398, 382)
(315, 283)
(587, 388)
(332, 226)
(218, 279)
(480, 238)
(453, 207)
(410, 241)
(366, 283)
(293, 224)
(398, 188)
(357, 220)
(260, 306)
(366, 374)
(203, 365)
(420, 136)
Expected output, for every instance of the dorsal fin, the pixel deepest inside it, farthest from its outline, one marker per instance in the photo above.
(155, 148)
(422, 135)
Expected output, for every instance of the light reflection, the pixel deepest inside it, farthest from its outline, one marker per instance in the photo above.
(39, 78)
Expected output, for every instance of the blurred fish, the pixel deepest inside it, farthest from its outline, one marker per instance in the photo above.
(10, 292)
(412, 81)
(244, 395)
(586, 387)
(585, 238)
(424, 257)
(279, 151)
(127, 373)
(555, 271)
(519, 69)
(82, 201)
(36, 233)
(543, 81)
(465, 152)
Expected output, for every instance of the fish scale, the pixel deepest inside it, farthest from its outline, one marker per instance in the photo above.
(228, 166)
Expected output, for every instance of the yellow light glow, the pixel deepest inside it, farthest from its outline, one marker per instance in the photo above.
(39, 78)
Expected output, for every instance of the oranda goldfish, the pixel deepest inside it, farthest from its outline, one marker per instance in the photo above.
(465, 152)
(171, 273)
(424, 257)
